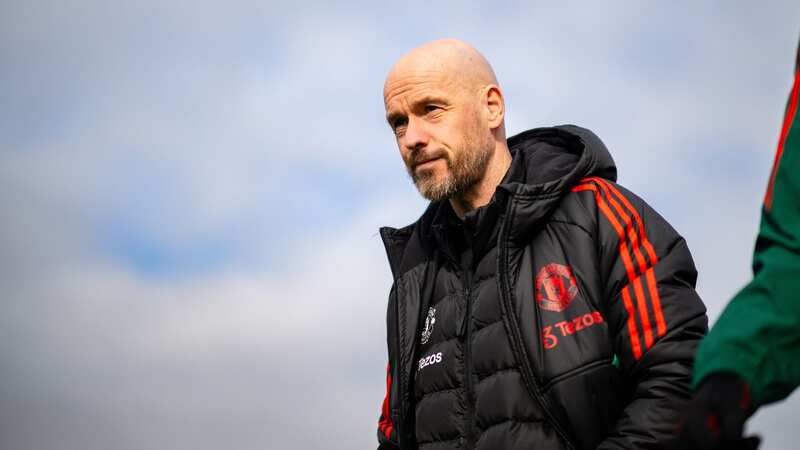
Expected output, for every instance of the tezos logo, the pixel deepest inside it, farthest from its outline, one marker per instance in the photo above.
(429, 360)
(429, 321)
(555, 287)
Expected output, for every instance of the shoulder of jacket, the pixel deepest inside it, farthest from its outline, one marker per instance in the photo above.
(582, 203)
(605, 195)
(596, 200)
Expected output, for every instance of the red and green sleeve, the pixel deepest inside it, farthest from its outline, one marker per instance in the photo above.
(758, 334)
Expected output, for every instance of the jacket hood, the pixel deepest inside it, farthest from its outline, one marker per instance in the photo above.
(546, 163)
(549, 160)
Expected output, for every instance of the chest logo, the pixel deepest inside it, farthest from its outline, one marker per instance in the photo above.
(429, 321)
(556, 286)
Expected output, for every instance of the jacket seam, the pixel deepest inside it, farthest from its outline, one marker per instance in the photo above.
(511, 419)
(485, 325)
(574, 372)
(558, 193)
(483, 431)
(589, 212)
(439, 441)
(483, 279)
(496, 372)
(424, 395)
(566, 222)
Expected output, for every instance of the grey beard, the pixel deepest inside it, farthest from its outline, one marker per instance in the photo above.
(462, 176)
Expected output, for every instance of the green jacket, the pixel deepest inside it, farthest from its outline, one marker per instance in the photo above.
(758, 334)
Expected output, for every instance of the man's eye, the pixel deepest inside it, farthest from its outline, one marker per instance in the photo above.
(431, 108)
(399, 126)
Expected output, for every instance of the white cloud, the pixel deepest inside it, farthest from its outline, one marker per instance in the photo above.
(250, 348)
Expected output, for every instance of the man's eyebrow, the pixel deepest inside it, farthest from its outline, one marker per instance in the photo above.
(415, 103)
(393, 116)
(429, 98)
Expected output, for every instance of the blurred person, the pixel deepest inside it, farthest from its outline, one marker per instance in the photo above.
(536, 303)
(751, 357)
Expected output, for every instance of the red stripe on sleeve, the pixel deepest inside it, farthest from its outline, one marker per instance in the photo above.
(626, 260)
(647, 245)
(661, 325)
(651, 283)
(641, 301)
(635, 345)
(788, 120)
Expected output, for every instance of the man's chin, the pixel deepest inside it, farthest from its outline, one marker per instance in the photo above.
(434, 191)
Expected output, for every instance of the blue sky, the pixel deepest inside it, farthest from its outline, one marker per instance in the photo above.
(191, 193)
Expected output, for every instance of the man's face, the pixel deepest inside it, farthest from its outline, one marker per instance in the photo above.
(443, 138)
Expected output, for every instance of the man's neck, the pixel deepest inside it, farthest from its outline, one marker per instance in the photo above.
(481, 193)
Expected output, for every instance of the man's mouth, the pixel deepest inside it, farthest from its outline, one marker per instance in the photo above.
(426, 163)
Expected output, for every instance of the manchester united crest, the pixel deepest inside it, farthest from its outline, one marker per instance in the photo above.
(556, 286)
(429, 321)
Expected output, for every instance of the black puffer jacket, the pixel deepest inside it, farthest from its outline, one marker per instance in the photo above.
(561, 315)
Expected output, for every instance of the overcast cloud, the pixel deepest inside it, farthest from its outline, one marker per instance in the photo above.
(190, 194)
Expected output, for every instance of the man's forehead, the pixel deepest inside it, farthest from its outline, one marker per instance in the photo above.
(408, 84)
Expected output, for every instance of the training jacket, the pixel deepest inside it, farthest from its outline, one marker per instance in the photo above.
(562, 315)
(758, 335)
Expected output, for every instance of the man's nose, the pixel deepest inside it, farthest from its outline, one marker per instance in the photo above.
(416, 134)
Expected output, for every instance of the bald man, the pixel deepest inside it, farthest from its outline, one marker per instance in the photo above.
(536, 303)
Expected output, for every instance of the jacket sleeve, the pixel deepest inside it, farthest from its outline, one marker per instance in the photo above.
(387, 431)
(656, 318)
(758, 334)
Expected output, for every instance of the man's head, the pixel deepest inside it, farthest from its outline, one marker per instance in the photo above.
(446, 110)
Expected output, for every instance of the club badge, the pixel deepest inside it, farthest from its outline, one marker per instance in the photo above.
(556, 286)
(429, 321)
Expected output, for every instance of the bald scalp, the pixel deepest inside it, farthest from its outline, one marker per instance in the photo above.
(450, 58)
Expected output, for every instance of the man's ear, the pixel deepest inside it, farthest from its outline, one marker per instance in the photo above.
(495, 106)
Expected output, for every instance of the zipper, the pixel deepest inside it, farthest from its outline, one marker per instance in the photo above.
(517, 343)
(470, 416)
